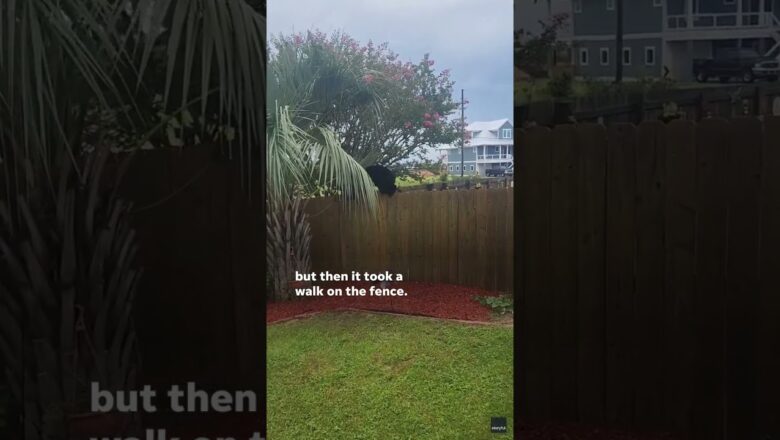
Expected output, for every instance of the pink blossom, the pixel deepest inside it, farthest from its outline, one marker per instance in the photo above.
(427, 116)
(436, 116)
(430, 62)
(368, 78)
(427, 124)
(407, 124)
(298, 40)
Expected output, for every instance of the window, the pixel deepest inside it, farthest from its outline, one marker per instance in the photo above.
(604, 56)
(450, 167)
(457, 167)
(650, 55)
(471, 167)
(610, 5)
(474, 134)
(626, 56)
(657, 3)
(577, 6)
(506, 133)
(583, 57)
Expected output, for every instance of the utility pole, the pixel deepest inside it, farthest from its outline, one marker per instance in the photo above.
(462, 132)
(619, 42)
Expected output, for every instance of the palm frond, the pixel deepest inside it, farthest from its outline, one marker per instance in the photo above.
(204, 38)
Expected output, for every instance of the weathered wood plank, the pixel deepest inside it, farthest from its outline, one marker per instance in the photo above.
(483, 247)
(619, 282)
(743, 180)
(563, 249)
(768, 332)
(592, 141)
(703, 310)
(536, 261)
(650, 209)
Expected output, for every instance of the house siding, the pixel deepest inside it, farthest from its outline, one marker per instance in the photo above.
(636, 69)
(453, 156)
(640, 16)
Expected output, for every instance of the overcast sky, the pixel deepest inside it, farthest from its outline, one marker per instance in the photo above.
(471, 38)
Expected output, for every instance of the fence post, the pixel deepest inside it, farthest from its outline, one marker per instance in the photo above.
(637, 108)
(700, 103)
(562, 111)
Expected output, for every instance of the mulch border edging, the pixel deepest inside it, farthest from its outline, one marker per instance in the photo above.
(380, 312)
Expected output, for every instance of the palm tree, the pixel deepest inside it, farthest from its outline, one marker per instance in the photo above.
(304, 159)
(77, 82)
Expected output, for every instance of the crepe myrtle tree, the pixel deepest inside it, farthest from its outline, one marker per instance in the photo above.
(383, 110)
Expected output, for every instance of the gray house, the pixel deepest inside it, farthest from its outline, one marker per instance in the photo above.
(662, 37)
(491, 146)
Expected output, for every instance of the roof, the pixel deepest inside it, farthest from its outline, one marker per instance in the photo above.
(487, 125)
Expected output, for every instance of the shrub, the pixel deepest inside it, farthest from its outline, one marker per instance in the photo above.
(500, 305)
(560, 86)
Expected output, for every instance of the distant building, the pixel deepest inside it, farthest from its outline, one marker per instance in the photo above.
(662, 37)
(491, 146)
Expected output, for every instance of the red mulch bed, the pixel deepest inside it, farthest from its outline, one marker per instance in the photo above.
(427, 299)
(530, 431)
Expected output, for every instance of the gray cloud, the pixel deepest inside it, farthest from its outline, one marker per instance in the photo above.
(471, 38)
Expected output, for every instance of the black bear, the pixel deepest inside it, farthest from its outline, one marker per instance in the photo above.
(383, 178)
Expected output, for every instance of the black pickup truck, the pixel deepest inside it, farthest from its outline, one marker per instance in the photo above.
(495, 172)
(745, 64)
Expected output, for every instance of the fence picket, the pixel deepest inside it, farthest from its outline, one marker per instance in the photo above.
(563, 245)
(650, 210)
(592, 141)
(768, 309)
(744, 168)
(535, 178)
(707, 217)
(619, 282)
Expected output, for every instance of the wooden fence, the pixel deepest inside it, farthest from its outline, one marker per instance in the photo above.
(649, 276)
(199, 310)
(458, 237)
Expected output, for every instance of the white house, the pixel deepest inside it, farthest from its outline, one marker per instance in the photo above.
(491, 146)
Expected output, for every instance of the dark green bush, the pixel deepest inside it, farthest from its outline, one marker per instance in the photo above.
(560, 86)
(500, 305)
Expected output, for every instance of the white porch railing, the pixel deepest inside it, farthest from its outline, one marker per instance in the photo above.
(494, 156)
(721, 21)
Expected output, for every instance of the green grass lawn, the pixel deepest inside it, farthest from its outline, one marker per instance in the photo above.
(346, 375)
